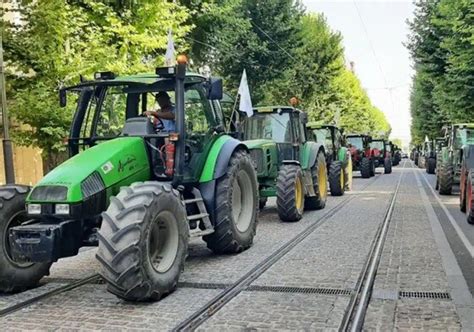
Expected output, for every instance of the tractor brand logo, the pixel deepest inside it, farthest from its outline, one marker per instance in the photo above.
(107, 167)
(129, 162)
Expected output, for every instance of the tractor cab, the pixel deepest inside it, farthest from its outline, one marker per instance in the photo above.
(112, 107)
(330, 136)
(378, 149)
(284, 126)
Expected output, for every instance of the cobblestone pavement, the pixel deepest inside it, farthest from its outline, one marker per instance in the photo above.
(311, 284)
(410, 262)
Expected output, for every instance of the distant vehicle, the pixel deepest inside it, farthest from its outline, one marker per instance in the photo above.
(404, 155)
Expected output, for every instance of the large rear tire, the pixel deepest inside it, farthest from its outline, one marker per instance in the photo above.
(387, 164)
(365, 168)
(372, 167)
(431, 166)
(336, 178)
(15, 276)
(236, 207)
(446, 179)
(290, 193)
(319, 177)
(143, 242)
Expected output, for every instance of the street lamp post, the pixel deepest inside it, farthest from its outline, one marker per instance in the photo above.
(7, 143)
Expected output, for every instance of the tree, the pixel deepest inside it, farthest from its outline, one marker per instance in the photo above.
(57, 41)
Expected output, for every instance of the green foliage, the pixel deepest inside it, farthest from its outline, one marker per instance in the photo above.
(57, 41)
(442, 48)
(285, 51)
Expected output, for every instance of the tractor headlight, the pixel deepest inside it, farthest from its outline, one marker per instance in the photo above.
(34, 208)
(61, 209)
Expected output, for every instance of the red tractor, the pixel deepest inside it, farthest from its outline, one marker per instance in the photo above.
(381, 153)
(362, 158)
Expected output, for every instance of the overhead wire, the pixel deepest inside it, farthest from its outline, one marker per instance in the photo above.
(364, 27)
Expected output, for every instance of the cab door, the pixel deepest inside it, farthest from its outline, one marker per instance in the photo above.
(202, 129)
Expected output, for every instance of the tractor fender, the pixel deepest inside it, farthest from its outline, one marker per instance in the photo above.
(216, 167)
(343, 155)
(310, 153)
(291, 162)
(218, 157)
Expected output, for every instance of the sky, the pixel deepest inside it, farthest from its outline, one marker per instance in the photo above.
(373, 36)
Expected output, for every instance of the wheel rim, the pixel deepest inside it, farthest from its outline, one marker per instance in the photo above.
(322, 181)
(163, 241)
(243, 204)
(299, 194)
(16, 220)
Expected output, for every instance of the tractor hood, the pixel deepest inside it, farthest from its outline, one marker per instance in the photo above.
(93, 170)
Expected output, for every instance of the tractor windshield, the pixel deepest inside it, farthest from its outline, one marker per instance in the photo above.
(356, 141)
(270, 126)
(379, 145)
(321, 134)
(464, 136)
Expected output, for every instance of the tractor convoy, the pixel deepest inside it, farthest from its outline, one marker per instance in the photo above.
(139, 190)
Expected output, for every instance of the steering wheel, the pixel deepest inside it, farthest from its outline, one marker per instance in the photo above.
(157, 122)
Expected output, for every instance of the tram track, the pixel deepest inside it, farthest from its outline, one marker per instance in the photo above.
(355, 313)
(230, 292)
(59, 290)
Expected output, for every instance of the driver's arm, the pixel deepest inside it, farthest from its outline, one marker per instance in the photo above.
(161, 115)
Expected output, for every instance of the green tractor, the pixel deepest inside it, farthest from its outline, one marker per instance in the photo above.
(338, 157)
(289, 166)
(459, 137)
(381, 152)
(134, 189)
(361, 154)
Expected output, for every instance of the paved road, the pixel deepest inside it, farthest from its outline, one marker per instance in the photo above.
(423, 280)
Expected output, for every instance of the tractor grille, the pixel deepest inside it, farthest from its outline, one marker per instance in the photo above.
(49, 193)
(257, 156)
(92, 185)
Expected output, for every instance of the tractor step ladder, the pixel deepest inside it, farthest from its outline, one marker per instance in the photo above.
(202, 216)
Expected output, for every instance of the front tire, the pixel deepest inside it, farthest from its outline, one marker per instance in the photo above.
(143, 241)
(236, 207)
(365, 168)
(446, 179)
(431, 166)
(387, 164)
(319, 177)
(336, 178)
(15, 276)
(290, 193)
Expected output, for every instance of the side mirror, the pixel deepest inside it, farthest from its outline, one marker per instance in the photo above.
(62, 98)
(215, 89)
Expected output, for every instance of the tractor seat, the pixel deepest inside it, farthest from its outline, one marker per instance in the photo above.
(139, 126)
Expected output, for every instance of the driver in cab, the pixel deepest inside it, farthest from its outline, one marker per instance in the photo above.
(165, 114)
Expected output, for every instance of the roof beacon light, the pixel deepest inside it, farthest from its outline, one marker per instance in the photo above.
(104, 75)
(182, 59)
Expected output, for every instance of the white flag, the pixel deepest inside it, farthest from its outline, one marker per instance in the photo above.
(245, 100)
(169, 56)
